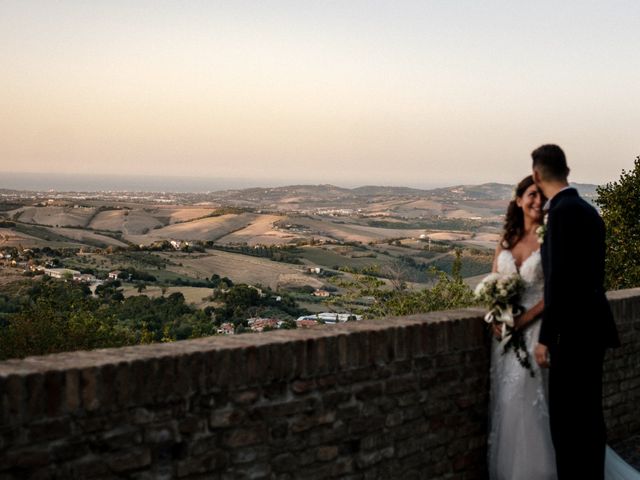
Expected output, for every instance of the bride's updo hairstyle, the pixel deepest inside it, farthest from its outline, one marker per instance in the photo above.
(514, 219)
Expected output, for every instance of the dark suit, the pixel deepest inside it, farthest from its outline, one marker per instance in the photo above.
(577, 327)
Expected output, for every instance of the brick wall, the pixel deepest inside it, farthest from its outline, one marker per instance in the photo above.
(622, 368)
(394, 398)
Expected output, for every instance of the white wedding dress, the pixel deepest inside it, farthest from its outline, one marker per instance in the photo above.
(520, 445)
(519, 437)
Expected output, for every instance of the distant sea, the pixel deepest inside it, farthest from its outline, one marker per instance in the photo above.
(141, 183)
(147, 183)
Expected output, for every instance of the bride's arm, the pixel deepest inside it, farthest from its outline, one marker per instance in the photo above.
(521, 321)
(494, 268)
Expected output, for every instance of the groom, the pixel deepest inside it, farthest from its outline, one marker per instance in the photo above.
(577, 324)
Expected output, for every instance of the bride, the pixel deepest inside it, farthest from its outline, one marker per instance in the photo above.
(519, 437)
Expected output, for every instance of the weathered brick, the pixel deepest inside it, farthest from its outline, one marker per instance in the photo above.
(89, 466)
(331, 399)
(35, 395)
(197, 370)
(365, 460)
(220, 369)
(284, 462)
(394, 419)
(401, 384)
(253, 471)
(246, 397)
(342, 466)
(67, 449)
(381, 347)
(286, 408)
(161, 433)
(306, 422)
(242, 437)
(303, 386)
(28, 457)
(354, 376)
(192, 424)
(376, 441)
(213, 461)
(226, 418)
(47, 430)
(132, 459)
(281, 361)
(400, 349)
(343, 352)
(364, 349)
(299, 352)
(249, 454)
(369, 390)
(89, 388)
(326, 382)
(333, 362)
(329, 433)
(54, 393)
(361, 425)
(14, 398)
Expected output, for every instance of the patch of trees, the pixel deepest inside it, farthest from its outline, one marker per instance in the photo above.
(620, 204)
(216, 281)
(54, 316)
(286, 254)
(48, 316)
(243, 301)
(131, 274)
(58, 316)
(436, 223)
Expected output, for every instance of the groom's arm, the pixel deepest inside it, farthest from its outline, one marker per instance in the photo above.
(561, 243)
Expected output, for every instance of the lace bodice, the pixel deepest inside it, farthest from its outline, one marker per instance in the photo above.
(520, 446)
(530, 271)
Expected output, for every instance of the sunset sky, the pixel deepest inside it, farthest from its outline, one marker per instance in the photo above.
(347, 92)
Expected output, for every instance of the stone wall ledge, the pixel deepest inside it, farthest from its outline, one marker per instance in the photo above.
(624, 303)
(399, 397)
(58, 362)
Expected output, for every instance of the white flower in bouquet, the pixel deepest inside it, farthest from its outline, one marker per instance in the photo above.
(501, 293)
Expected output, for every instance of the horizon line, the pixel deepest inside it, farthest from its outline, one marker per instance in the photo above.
(247, 185)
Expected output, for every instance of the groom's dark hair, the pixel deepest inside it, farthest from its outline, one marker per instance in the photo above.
(550, 161)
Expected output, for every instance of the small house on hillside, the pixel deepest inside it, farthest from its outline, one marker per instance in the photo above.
(259, 324)
(226, 329)
(62, 273)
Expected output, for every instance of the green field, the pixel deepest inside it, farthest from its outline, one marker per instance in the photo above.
(353, 259)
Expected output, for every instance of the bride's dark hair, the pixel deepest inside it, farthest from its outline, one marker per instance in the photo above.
(514, 219)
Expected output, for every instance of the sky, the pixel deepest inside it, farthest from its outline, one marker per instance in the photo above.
(415, 93)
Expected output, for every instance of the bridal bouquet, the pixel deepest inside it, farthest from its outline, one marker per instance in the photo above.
(501, 292)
